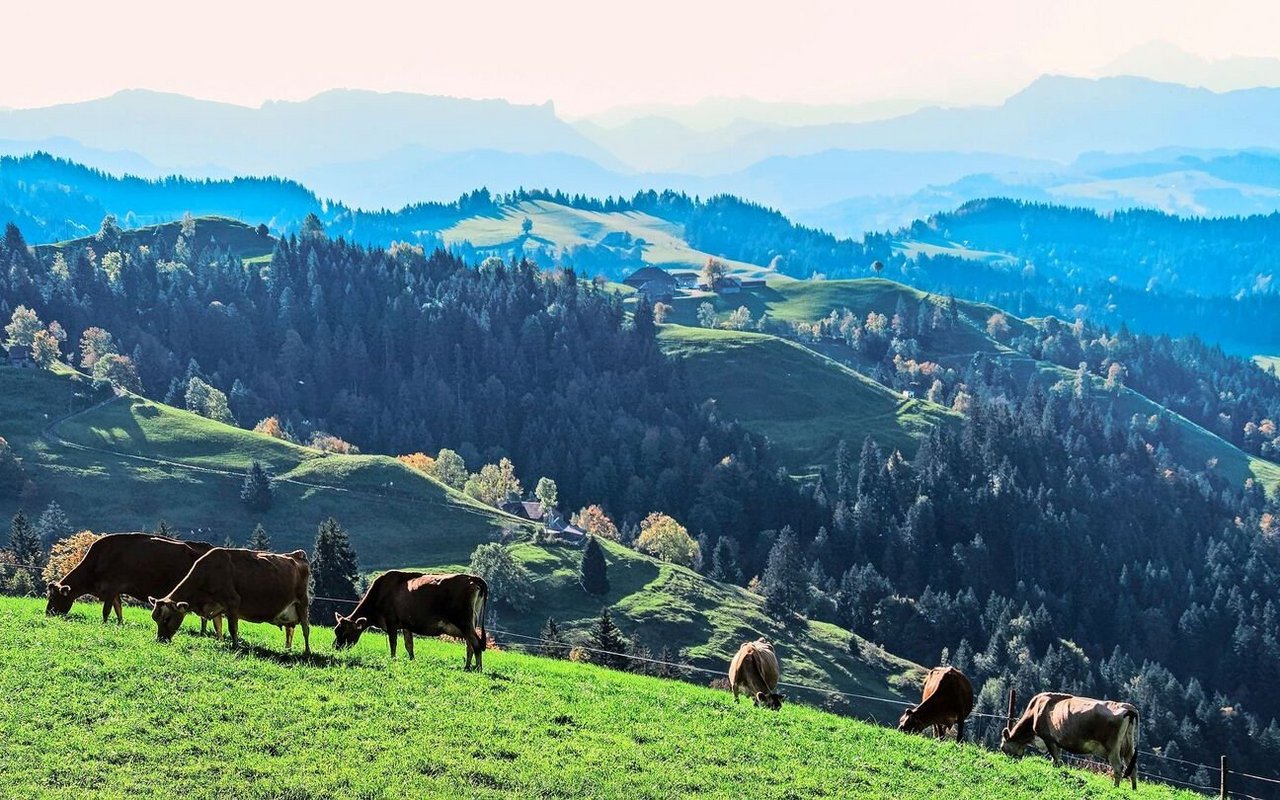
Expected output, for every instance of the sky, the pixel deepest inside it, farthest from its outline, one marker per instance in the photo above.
(588, 56)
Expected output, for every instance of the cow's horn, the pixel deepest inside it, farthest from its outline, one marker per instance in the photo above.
(183, 606)
(153, 601)
(337, 617)
(66, 590)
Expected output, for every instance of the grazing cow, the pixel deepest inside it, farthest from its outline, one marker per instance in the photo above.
(136, 564)
(428, 605)
(1081, 726)
(244, 585)
(947, 700)
(755, 670)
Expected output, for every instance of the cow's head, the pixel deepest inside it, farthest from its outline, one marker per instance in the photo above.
(770, 700)
(60, 599)
(168, 616)
(910, 722)
(1010, 746)
(346, 631)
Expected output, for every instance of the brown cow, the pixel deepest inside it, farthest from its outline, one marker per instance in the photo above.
(947, 700)
(134, 564)
(755, 669)
(1082, 726)
(242, 584)
(428, 605)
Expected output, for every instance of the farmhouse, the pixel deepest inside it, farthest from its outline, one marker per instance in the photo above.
(645, 275)
(686, 279)
(20, 356)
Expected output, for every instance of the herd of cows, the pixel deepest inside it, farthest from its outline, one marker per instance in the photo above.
(179, 577)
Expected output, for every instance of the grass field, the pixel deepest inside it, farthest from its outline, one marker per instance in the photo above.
(128, 463)
(562, 227)
(806, 403)
(96, 711)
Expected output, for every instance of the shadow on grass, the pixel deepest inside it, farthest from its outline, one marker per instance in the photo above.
(313, 659)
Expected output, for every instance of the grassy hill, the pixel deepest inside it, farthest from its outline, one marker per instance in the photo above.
(805, 402)
(123, 463)
(220, 233)
(562, 227)
(792, 300)
(104, 712)
(1270, 363)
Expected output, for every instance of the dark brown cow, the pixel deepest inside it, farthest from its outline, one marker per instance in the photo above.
(947, 700)
(134, 564)
(1082, 726)
(244, 585)
(428, 605)
(755, 669)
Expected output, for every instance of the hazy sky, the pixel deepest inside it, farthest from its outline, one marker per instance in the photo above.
(590, 55)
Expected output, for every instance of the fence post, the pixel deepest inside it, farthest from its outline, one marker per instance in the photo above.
(1222, 773)
(1013, 707)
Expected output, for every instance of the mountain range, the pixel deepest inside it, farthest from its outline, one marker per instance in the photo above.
(1105, 143)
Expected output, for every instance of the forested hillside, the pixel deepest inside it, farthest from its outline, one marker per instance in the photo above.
(1013, 539)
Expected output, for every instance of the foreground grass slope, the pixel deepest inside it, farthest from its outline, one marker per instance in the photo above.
(98, 711)
(805, 402)
(123, 463)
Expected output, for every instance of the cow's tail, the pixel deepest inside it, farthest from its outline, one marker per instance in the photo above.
(482, 607)
(1132, 735)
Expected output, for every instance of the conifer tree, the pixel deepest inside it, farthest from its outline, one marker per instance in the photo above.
(593, 573)
(606, 636)
(553, 644)
(256, 492)
(783, 583)
(259, 540)
(335, 570)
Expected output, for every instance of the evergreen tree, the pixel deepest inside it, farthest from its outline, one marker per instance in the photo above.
(606, 636)
(593, 573)
(163, 529)
(724, 562)
(335, 571)
(53, 525)
(784, 584)
(553, 644)
(256, 492)
(24, 544)
(259, 540)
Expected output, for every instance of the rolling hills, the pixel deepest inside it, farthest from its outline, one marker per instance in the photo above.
(124, 463)
(790, 300)
(804, 402)
(106, 712)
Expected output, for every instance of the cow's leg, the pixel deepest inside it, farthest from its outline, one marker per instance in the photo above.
(106, 610)
(119, 606)
(306, 631)
(408, 642)
(233, 626)
(217, 627)
(959, 731)
(391, 639)
(204, 626)
(288, 637)
(939, 730)
(1054, 753)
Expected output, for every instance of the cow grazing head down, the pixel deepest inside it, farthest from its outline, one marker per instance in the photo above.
(346, 631)
(771, 701)
(1010, 746)
(60, 599)
(168, 616)
(910, 722)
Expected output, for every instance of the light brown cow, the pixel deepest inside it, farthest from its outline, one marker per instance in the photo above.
(428, 605)
(947, 700)
(1082, 726)
(243, 585)
(134, 564)
(754, 669)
